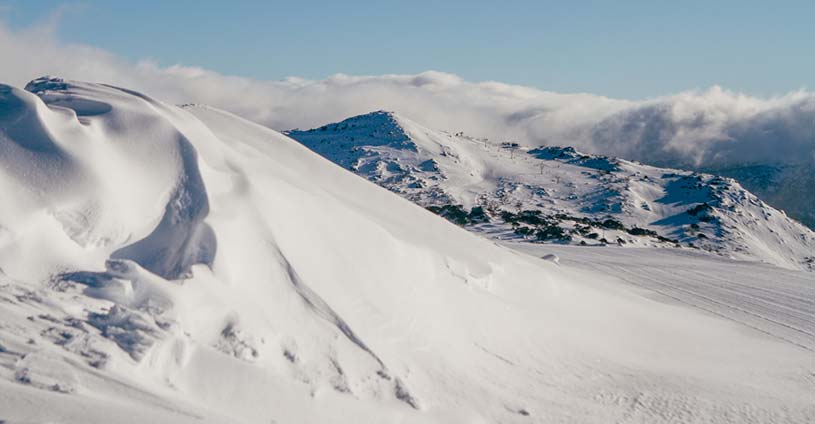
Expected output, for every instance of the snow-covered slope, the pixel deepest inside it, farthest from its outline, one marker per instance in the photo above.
(558, 194)
(165, 264)
(790, 187)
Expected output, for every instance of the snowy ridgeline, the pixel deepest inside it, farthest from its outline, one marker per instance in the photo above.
(559, 195)
(790, 187)
(165, 264)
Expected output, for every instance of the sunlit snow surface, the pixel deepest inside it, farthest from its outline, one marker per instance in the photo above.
(176, 265)
(685, 209)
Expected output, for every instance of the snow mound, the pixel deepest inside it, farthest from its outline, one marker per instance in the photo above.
(166, 264)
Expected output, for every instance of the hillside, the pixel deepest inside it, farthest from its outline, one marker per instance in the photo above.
(170, 265)
(559, 195)
(790, 187)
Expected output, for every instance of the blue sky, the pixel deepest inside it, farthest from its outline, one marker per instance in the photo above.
(633, 49)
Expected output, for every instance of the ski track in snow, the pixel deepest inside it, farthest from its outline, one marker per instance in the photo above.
(774, 301)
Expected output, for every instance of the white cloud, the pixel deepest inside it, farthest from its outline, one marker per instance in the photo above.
(701, 128)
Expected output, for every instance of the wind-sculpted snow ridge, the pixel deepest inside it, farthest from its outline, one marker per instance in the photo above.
(557, 194)
(167, 264)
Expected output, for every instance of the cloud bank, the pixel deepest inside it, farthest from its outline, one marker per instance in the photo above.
(698, 129)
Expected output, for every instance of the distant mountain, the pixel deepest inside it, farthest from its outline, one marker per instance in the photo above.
(557, 194)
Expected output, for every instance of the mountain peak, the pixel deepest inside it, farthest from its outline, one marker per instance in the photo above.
(376, 129)
(565, 195)
(376, 118)
(377, 113)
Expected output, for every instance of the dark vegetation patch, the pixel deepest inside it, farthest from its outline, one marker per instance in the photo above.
(535, 226)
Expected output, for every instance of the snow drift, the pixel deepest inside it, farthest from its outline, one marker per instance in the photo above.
(169, 264)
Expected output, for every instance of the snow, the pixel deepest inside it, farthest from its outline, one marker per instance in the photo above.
(572, 193)
(166, 264)
(773, 301)
(790, 187)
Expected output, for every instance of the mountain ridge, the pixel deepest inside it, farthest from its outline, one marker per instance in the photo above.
(452, 174)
